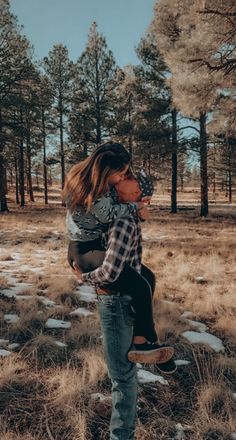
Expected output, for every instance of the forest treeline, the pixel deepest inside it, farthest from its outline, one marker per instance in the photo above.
(175, 110)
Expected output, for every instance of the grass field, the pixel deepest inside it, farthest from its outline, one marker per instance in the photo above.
(50, 377)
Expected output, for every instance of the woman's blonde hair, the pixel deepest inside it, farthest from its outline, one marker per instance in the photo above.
(89, 179)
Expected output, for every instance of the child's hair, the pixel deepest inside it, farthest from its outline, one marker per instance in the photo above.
(89, 179)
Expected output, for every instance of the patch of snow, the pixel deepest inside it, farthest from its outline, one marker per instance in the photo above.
(11, 318)
(234, 396)
(46, 301)
(199, 326)
(87, 297)
(30, 230)
(180, 362)
(81, 311)
(34, 269)
(233, 435)
(4, 352)
(84, 288)
(100, 397)
(6, 274)
(204, 338)
(24, 297)
(145, 376)
(180, 431)
(148, 237)
(200, 280)
(4, 342)
(138, 365)
(57, 323)
(16, 255)
(170, 303)
(13, 346)
(60, 344)
(16, 290)
(187, 314)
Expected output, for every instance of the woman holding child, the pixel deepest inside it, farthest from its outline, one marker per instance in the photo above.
(104, 212)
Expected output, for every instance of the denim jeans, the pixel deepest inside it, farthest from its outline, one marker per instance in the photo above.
(117, 321)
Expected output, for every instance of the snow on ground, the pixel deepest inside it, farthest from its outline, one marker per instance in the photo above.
(204, 338)
(199, 326)
(180, 362)
(11, 318)
(187, 314)
(180, 429)
(81, 311)
(145, 376)
(57, 323)
(60, 344)
(13, 346)
(46, 301)
(151, 237)
(4, 342)
(86, 293)
(100, 397)
(4, 352)
(17, 289)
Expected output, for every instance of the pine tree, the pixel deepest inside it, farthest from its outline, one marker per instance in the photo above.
(59, 70)
(194, 92)
(93, 92)
(15, 68)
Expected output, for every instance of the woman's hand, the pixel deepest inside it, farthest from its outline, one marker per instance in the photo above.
(77, 272)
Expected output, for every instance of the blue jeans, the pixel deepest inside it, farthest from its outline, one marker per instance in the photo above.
(117, 320)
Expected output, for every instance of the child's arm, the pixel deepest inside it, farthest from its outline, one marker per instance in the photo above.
(105, 210)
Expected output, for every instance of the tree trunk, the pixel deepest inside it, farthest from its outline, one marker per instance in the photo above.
(29, 171)
(85, 150)
(229, 170)
(130, 140)
(21, 167)
(174, 162)
(98, 108)
(45, 177)
(3, 199)
(203, 165)
(62, 143)
(17, 180)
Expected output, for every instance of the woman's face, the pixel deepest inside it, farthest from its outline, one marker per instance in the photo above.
(118, 176)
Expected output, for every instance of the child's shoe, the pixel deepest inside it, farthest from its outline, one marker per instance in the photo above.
(168, 367)
(150, 353)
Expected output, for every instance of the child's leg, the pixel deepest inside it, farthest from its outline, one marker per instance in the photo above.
(87, 261)
(132, 283)
(151, 279)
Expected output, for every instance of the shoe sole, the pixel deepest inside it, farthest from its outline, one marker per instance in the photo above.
(157, 356)
(171, 371)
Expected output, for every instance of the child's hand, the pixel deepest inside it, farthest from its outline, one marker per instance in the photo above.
(146, 200)
(77, 271)
(143, 212)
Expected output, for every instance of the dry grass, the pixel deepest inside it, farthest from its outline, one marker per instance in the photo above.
(45, 389)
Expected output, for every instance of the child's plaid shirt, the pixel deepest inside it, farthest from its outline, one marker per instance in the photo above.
(123, 247)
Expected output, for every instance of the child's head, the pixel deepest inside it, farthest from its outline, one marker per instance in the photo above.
(128, 190)
(91, 178)
(135, 188)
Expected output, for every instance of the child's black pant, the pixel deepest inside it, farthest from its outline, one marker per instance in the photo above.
(140, 287)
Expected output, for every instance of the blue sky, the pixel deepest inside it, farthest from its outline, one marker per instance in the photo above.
(122, 22)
